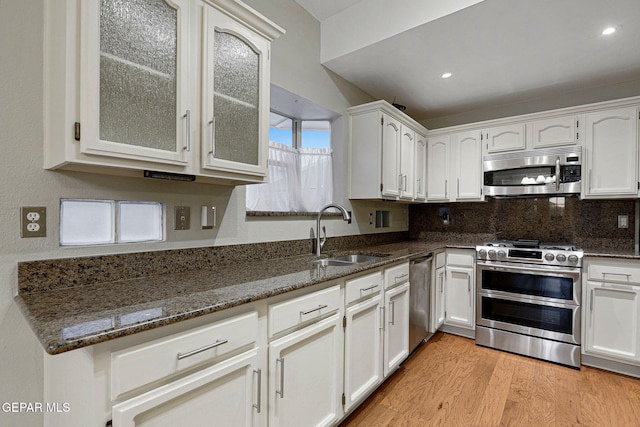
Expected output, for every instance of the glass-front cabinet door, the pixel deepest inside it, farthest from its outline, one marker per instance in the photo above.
(235, 110)
(135, 76)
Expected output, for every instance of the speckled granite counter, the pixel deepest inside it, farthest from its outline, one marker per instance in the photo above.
(68, 318)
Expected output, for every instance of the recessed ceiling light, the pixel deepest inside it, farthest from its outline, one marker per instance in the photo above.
(446, 75)
(610, 30)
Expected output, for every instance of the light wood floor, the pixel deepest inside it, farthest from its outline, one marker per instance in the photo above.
(450, 381)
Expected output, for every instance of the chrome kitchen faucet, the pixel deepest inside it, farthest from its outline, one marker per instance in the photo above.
(346, 215)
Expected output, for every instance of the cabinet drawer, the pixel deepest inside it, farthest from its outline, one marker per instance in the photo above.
(395, 275)
(461, 257)
(300, 310)
(146, 363)
(364, 286)
(441, 259)
(614, 271)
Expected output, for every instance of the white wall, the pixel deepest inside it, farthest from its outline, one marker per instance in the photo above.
(295, 67)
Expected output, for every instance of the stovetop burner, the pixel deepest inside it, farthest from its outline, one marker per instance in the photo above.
(530, 252)
(532, 244)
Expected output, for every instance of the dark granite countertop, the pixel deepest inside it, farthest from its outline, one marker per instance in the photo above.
(71, 318)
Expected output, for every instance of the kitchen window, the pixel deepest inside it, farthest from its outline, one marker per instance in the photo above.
(300, 167)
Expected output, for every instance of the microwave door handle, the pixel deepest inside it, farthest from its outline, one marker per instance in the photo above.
(558, 173)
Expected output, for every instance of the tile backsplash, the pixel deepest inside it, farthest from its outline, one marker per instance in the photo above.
(567, 219)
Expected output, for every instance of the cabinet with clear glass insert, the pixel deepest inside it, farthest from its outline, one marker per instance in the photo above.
(177, 86)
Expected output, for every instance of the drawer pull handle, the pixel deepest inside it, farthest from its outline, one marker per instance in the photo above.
(320, 307)
(402, 276)
(281, 391)
(201, 349)
(258, 404)
(604, 273)
(369, 288)
(392, 309)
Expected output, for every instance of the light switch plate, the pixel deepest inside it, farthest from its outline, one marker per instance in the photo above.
(183, 217)
(33, 221)
(208, 216)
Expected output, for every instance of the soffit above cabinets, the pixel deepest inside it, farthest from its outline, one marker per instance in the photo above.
(499, 53)
(322, 9)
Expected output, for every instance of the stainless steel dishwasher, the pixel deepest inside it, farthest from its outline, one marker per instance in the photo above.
(419, 300)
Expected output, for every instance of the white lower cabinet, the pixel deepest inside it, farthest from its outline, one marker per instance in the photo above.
(226, 394)
(305, 375)
(460, 297)
(611, 310)
(612, 321)
(216, 371)
(362, 350)
(363, 337)
(438, 298)
(453, 292)
(396, 327)
(307, 359)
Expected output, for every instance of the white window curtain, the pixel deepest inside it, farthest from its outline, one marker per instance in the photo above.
(299, 181)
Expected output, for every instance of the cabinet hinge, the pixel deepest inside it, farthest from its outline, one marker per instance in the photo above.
(344, 321)
(344, 399)
(381, 120)
(638, 185)
(76, 131)
(380, 186)
(109, 423)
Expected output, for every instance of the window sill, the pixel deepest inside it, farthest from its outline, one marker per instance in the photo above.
(273, 214)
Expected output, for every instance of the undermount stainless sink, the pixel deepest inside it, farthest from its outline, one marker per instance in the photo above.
(345, 260)
(333, 262)
(356, 258)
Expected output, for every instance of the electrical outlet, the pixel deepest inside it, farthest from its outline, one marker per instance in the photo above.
(623, 221)
(33, 221)
(183, 217)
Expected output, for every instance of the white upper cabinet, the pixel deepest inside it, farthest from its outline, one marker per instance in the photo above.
(466, 167)
(173, 86)
(554, 132)
(236, 86)
(391, 137)
(611, 144)
(406, 171)
(420, 168)
(134, 79)
(438, 168)
(505, 138)
(384, 154)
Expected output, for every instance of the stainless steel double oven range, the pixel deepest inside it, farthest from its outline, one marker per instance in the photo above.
(528, 299)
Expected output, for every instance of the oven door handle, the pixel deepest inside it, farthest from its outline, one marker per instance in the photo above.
(542, 269)
(558, 173)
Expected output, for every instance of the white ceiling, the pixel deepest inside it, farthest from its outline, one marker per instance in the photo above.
(500, 52)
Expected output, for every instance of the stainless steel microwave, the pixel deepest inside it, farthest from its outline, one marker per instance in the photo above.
(531, 173)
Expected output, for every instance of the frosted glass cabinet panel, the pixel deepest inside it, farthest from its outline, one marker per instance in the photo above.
(176, 87)
(132, 62)
(136, 79)
(235, 114)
